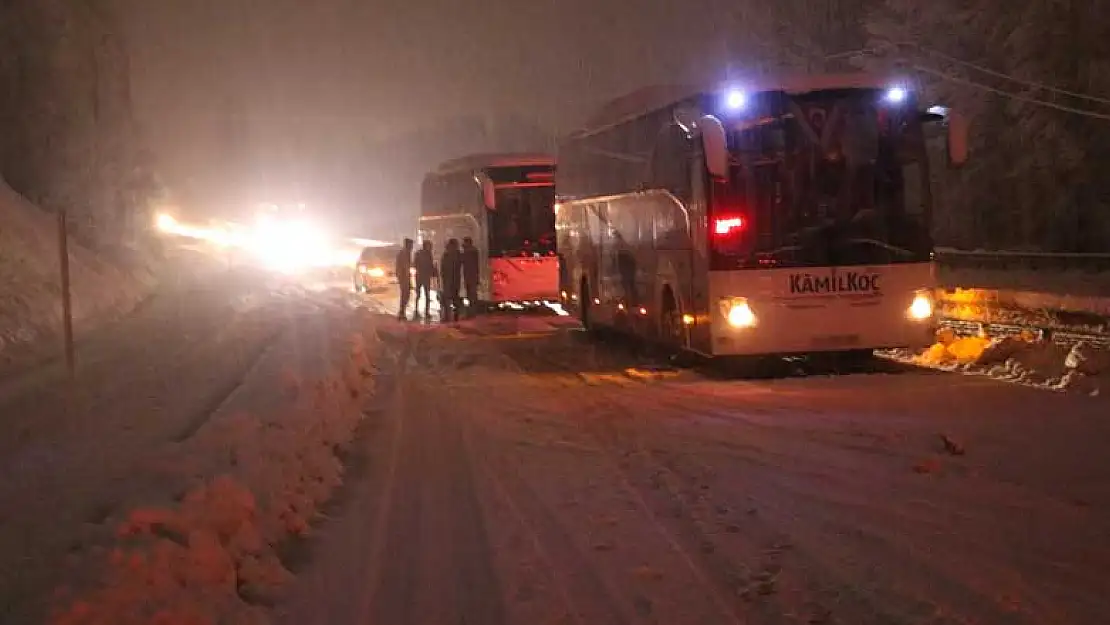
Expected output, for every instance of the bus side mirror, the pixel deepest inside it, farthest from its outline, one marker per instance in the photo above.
(957, 139)
(687, 117)
(715, 145)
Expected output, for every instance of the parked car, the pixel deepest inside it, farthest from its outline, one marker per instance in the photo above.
(375, 268)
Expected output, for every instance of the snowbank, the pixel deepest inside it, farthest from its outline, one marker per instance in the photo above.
(30, 298)
(211, 556)
(1025, 308)
(1022, 359)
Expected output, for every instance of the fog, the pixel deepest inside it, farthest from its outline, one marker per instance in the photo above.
(340, 104)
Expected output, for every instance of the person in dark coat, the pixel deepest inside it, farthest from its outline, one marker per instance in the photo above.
(471, 262)
(402, 267)
(450, 277)
(425, 265)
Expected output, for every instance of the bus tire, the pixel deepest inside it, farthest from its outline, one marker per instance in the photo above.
(858, 360)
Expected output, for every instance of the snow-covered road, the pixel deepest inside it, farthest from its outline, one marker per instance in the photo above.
(517, 473)
(508, 470)
(77, 456)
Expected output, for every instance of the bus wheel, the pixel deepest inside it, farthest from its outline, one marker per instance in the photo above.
(856, 360)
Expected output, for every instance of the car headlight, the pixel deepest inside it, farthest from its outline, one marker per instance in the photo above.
(922, 307)
(376, 272)
(738, 312)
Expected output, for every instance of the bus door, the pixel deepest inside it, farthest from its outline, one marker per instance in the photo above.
(608, 285)
(596, 228)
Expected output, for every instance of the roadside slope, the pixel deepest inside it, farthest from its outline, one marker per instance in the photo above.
(30, 299)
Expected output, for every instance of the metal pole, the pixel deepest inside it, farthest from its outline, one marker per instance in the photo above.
(67, 304)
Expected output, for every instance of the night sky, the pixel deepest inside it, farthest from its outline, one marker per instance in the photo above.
(312, 84)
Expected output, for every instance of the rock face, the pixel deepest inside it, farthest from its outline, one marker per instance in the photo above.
(69, 139)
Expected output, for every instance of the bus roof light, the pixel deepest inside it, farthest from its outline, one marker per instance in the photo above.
(735, 99)
(896, 95)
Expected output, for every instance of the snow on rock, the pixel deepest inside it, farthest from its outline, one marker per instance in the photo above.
(211, 557)
(1024, 359)
(30, 301)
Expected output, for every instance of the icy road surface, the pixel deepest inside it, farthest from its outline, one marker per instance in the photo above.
(516, 473)
(75, 456)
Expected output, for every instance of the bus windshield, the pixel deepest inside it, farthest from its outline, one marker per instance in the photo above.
(523, 221)
(827, 178)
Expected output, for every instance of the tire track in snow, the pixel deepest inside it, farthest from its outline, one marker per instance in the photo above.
(431, 557)
(713, 573)
(820, 565)
(566, 564)
(732, 587)
(388, 491)
(709, 577)
(791, 479)
(221, 396)
(771, 545)
(583, 594)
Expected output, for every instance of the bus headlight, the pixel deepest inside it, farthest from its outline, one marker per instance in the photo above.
(739, 313)
(921, 308)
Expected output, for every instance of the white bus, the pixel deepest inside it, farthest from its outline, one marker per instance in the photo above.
(505, 203)
(791, 217)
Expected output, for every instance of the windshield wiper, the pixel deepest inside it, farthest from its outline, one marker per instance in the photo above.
(785, 248)
(877, 243)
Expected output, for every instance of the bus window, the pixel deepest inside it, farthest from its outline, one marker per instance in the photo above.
(671, 162)
(837, 180)
(523, 221)
(669, 225)
(732, 219)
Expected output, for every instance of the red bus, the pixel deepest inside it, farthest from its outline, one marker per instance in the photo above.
(506, 204)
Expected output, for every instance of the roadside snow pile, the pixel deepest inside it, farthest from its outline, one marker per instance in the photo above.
(212, 557)
(1023, 359)
(30, 299)
(1075, 283)
(1026, 308)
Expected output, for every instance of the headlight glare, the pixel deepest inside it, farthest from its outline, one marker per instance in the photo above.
(739, 313)
(922, 307)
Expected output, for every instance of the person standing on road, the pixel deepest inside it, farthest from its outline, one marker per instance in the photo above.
(403, 267)
(450, 275)
(470, 261)
(425, 265)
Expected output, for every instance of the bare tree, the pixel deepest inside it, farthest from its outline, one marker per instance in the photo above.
(1021, 71)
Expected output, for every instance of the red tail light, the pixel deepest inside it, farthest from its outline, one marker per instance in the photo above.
(725, 226)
